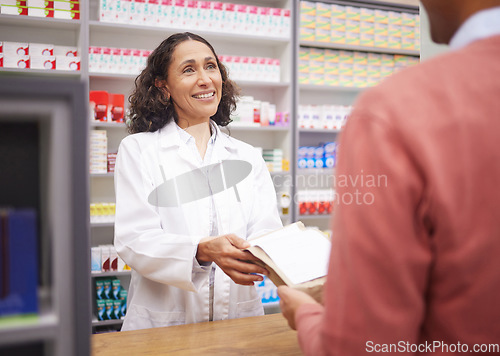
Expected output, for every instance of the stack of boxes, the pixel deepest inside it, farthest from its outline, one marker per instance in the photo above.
(105, 259)
(117, 60)
(274, 159)
(252, 68)
(251, 112)
(111, 299)
(102, 212)
(346, 68)
(59, 9)
(98, 152)
(106, 107)
(321, 156)
(331, 117)
(199, 15)
(359, 26)
(38, 56)
(316, 201)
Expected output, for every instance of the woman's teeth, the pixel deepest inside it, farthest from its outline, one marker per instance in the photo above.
(203, 96)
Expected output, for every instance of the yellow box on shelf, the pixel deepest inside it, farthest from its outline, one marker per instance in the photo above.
(338, 37)
(331, 80)
(381, 41)
(323, 10)
(304, 78)
(352, 13)
(367, 15)
(307, 34)
(366, 40)
(352, 26)
(332, 55)
(366, 27)
(338, 11)
(338, 24)
(374, 59)
(346, 56)
(317, 78)
(381, 16)
(352, 38)
(394, 18)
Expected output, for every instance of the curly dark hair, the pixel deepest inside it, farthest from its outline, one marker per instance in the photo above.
(150, 110)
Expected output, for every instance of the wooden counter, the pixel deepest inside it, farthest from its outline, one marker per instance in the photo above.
(260, 335)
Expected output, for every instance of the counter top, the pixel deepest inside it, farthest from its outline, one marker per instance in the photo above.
(260, 335)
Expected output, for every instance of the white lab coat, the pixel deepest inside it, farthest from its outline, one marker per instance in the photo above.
(168, 286)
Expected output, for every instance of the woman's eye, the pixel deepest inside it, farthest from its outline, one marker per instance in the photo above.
(211, 66)
(188, 70)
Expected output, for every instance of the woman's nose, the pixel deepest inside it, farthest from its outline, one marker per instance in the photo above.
(203, 78)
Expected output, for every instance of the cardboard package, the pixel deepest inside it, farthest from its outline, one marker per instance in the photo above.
(313, 258)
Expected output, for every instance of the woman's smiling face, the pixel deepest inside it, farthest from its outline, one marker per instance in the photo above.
(194, 82)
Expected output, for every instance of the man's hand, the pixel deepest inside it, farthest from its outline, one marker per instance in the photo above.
(227, 252)
(290, 300)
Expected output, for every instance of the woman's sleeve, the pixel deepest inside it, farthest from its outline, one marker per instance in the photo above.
(139, 238)
(264, 215)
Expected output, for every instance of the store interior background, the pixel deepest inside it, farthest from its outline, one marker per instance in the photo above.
(64, 331)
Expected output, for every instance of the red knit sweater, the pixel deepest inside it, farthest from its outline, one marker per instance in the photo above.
(416, 259)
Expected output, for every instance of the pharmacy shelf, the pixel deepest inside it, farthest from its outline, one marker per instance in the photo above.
(111, 274)
(98, 27)
(325, 131)
(256, 128)
(102, 175)
(330, 88)
(41, 327)
(359, 48)
(242, 83)
(315, 171)
(108, 125)
(96, 322)
(39, 22)
(261, 84)
(313, 217)
(104, 224)
(43, 72)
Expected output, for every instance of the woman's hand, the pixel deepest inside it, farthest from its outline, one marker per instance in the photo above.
(227, 252)
(290, 300)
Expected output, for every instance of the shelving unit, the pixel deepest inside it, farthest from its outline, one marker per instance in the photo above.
(310, 94)
(45, 120)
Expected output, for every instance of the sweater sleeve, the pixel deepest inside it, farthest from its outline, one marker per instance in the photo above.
(381, 253)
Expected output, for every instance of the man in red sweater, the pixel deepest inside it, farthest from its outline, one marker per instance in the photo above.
(415, 266)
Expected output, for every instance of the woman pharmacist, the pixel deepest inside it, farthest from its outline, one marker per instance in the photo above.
(187, 195)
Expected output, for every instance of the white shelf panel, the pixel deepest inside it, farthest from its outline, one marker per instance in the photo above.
(259, 84)
(111, 274)
(97, 27)
(328, 131)
(315, 171)
(313, 217)
(45, 327)
(96, 322)
(236, 127)
(330, 88)
(44, 72)
(114, 125)
(102, 175)
(39, 22)
(359, 48)
(103, 224)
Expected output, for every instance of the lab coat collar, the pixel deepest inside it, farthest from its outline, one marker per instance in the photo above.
(169, 137)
